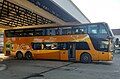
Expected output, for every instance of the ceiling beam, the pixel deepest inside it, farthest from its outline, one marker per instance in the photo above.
(28, 5)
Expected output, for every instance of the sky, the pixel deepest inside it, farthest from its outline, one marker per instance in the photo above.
(101, 11)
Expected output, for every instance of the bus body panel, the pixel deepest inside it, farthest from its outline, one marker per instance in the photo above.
(46, 54)
(104, 56)
(64, 55)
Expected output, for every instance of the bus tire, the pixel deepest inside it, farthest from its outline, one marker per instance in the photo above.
(19, 55)
(85, 58)
(28, 55)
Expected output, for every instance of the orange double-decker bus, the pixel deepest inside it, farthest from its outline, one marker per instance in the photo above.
(58, 44)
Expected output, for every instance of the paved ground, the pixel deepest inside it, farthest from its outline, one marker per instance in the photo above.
(39, 69)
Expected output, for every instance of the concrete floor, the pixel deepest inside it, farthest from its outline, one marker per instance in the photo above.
(41, 69)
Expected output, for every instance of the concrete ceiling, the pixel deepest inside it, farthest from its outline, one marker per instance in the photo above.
(39, 13)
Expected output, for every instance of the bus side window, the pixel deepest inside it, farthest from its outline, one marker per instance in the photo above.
(75, 30)
(82, 46)
(29, 32)
(39, 32)
(62, 46)
(53, 32)
(80, 30)
(19, 33)
(66, 31)
(10, 33)
(54, 46)
(60, 31)
(36, 46)
(47, 46)
(50, 31)
(57, 31)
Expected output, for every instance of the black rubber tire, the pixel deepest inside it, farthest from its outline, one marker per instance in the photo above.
(28, 55)
(19, 55)
(85, 58)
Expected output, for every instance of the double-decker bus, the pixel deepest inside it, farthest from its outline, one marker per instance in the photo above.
(84, 43)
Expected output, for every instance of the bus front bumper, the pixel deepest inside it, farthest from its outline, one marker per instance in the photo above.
(110, 56)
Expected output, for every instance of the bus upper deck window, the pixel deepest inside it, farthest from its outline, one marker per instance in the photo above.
(66, 31)
(93, 29)
(39, 32)
(50, 31)
(82, 31)
(75, 30)
(57, 31)
(102, 29)
(9, 33)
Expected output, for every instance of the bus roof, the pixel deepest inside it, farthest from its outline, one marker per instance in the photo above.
(62, 26)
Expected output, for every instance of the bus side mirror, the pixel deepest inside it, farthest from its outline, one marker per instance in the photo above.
(110, 37)
(117, 41)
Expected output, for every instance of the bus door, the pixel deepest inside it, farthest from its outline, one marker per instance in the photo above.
(71, 52)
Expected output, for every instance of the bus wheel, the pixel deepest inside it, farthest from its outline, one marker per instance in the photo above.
(19, 55)
(85, 58)
(28, 55)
